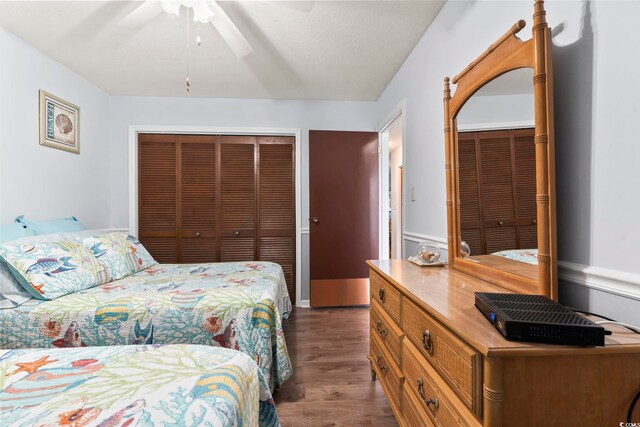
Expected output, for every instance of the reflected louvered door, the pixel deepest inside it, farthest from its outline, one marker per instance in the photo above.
(470, 200)
(198, 199)
(157, 196)
(496, 180)
(276, 231)
(525, 159)
(237, 219)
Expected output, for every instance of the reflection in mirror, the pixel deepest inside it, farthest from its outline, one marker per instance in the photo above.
(497, 174)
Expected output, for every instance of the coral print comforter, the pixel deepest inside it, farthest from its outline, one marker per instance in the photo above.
(234, 305)
(150, 385)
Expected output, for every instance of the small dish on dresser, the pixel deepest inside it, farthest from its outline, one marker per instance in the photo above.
(422, 263)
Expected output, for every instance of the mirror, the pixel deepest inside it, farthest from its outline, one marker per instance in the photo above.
(497, 175)
(500, 163)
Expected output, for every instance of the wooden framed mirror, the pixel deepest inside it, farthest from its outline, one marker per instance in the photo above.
(500, 163)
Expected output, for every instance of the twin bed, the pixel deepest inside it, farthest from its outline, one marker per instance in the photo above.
(170, 344)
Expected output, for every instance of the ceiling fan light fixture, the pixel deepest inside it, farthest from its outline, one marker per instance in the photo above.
(202, 10)
(171, 7)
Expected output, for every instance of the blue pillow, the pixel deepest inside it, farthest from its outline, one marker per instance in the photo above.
(52, 226)
(14, 231)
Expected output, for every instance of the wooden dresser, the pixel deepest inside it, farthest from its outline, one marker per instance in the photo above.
(440, 362)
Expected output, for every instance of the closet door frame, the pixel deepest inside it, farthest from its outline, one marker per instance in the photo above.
(135, 130)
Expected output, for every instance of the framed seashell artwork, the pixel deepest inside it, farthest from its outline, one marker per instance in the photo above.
(59, 123)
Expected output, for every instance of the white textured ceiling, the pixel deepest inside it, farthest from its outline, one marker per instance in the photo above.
(337, 50)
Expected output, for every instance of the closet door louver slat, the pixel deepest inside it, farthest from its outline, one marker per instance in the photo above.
(525, 153)
(470, 201)
(276, 204)
(157, 195)
(237, 198)
(198, 199)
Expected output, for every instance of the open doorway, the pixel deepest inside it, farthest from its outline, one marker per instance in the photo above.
(391, 138)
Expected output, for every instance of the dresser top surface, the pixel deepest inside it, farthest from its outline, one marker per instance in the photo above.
(449, 296)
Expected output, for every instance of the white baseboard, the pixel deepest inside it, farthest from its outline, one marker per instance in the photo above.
(304, 304)
(602, 279)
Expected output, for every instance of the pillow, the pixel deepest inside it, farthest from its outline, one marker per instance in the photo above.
(12, 294)
(119, 252)
(53, 225)
(50, 270)
(14, 231)
(60, 237)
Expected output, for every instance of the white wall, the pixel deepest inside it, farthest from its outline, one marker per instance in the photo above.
(38, 181)
(241, 113)
(596, 135)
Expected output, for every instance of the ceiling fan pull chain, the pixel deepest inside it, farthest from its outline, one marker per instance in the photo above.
(188, 82)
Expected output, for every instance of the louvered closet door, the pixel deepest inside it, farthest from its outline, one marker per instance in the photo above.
(237, 198)
(525, 153)
(157, 196)
(470, 200)
(198, 199)
(276, 205)
(496, 178)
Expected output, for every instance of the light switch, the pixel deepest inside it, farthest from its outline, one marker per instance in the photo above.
(413, 194)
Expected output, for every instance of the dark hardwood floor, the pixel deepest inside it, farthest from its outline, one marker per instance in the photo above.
(331, 383)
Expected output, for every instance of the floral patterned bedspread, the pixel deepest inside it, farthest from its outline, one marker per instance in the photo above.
(233, 305)
(146, 385)
(529, 256)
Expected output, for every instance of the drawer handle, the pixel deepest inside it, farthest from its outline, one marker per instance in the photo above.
(433, 401)
(381, 365)
(197, 234)
(381, 294)
(426, 340)
(380, 330)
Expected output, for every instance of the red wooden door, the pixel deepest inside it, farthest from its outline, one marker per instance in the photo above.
(344, 215)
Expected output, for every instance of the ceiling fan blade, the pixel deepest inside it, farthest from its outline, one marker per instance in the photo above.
(230, 33)
(141, 15)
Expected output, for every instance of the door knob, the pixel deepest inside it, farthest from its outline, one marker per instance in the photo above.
(315, 220)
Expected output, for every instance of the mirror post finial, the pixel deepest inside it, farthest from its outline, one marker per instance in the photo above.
(539, 16)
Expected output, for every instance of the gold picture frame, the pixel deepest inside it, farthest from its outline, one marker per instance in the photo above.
(59, 123)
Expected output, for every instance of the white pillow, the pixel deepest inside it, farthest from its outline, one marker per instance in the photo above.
(12, 294)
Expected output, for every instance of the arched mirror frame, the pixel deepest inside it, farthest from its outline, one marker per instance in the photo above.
(507, 54)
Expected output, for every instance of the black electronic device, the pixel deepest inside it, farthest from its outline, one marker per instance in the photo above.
(536, 318)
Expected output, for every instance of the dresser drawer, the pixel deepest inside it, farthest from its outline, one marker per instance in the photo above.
(388, 373)
(459, 364)
(412, 411)
(386, 294)
(387, 330)
(434, 396)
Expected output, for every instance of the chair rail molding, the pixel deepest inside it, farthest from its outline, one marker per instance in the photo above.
(615, 282)
(439, 242)
(602, 279)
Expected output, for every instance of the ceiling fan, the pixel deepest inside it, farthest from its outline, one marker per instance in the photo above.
(204, 12)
